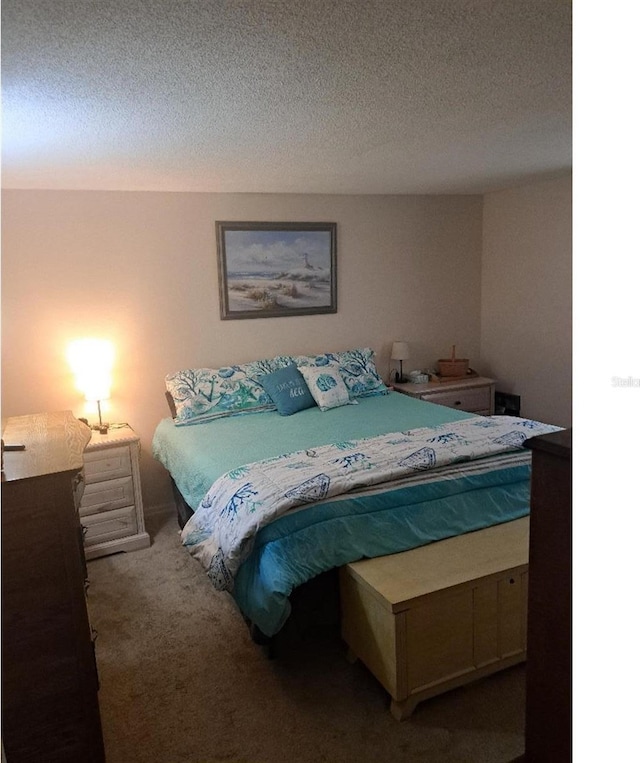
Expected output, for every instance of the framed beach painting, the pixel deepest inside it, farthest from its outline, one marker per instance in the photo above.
(269, 270)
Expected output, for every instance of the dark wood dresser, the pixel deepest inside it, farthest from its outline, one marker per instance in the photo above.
(50, 706)
(548, 689)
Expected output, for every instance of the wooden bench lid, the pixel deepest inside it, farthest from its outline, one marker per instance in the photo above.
(399, 578)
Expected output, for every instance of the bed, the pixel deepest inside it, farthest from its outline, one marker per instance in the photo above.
(375, 474)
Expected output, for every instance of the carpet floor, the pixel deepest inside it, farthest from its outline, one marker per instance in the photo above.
(182, 682)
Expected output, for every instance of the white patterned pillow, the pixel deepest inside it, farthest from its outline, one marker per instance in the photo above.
(357, 368)
(326, 386)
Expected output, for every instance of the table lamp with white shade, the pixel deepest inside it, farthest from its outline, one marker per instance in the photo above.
(91, 362)
(400, 351)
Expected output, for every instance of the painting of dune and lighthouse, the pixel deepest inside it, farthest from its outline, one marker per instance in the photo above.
(269, 269)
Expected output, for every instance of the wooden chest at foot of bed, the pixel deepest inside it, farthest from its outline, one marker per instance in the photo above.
(436, 617)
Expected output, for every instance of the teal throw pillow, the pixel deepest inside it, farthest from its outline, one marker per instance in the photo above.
(287, 389)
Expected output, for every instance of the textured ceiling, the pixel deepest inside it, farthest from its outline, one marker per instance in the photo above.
(297, 96)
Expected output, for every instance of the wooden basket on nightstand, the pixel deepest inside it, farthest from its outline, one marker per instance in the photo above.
(453, 367)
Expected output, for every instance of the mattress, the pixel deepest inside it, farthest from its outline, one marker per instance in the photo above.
(197, 455)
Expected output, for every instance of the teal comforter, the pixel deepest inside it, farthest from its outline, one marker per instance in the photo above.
(383, 519)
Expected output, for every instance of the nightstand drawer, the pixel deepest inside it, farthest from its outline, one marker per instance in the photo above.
(106, 496)
(105, 527)
(100, 465)
(477, 399)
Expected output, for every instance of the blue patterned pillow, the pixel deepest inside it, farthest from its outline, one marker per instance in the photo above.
(267, 366)
(327, 386)
(357, 368)
(204, 394)
(288, 390)
(316, 361)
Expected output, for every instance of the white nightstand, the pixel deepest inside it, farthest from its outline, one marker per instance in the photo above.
(111, 507)
(475, 395)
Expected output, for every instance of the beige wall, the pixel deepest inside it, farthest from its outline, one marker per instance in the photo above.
(526, 296)
(140, 268)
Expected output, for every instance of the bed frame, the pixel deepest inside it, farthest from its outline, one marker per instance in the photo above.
(184, 511)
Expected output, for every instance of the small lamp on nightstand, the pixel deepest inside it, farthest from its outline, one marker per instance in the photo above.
(400, 351)
(91, 361)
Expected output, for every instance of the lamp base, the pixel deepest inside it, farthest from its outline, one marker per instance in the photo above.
(101, 427)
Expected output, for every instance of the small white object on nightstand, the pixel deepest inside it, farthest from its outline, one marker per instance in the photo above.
(111, 508)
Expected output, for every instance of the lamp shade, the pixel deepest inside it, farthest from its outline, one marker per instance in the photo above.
(91, 362)
(400, 351)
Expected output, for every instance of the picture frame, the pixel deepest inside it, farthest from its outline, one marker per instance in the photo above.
(274, 269)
